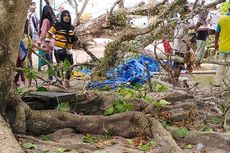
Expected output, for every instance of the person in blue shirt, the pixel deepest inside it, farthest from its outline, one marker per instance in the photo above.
(222, 45)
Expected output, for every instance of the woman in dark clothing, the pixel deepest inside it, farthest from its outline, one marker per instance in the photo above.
(47, 20)
(64, 39)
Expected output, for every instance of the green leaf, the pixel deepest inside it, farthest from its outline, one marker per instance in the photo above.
(62, 150)
(46, 137)
(189, 146)
(88, 139)
(145, 147)
(109, 111)
(21, 91)
(126, 92)
(160, 87)
(164, 103)
(50, 71)
(129, 141)
(64, 106)
(120, 108)
(137, 86)
(67, 63)
(42, 89)
(181, 132)
(29, 145)
(149, 99)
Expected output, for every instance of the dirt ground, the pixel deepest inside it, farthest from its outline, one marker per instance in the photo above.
(205, 97)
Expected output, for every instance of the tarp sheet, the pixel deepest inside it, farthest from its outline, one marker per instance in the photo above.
(132, 71)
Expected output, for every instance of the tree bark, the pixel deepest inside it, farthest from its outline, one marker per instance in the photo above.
(8, 143)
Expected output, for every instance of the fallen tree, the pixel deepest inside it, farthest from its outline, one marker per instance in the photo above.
(130, 38)
(23, 119)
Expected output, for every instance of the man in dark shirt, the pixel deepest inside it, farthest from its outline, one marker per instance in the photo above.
(202, 34)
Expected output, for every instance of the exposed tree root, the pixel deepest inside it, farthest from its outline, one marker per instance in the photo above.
(56, 144)
(129, 124)
(208, 139)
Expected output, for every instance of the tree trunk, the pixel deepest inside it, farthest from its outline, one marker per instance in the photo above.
(8, 143)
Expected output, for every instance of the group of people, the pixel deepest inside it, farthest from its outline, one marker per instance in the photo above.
(208, 23)
(48, 36)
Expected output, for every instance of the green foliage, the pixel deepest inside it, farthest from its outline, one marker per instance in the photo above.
(42, 89)
(189, 146)
(181, 132)
(127, 92)
(145, 147)
(161, 103)
(159, 87)
(136, 91)
(30, 73)
(118, 106)
(224, 7)
(51, 71)
(66, 63)
(21, 91)
(29, 145)
(224, 107)
(118, 19)
(206, 128)
(62, 150)
(64, 106)
(88, 139)
(105, 88)
(46, 137)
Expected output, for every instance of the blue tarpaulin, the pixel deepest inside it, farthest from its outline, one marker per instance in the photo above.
(132, 71)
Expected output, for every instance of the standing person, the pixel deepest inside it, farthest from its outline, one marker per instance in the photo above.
(33, 22)
(64, 39)
(213, 19)
(222, 45)
(25, 49)
(202, 34)
(46, 22)
(180, 44)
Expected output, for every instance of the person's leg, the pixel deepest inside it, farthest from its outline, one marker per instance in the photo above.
(50, 60)
(30, 66)
(40, 61)
(220, 71)
(70, 59)
(200, 51)
(226, 82)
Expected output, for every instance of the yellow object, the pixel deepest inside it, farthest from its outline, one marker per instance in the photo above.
(60, 37)
(79, 75)
(224, 23)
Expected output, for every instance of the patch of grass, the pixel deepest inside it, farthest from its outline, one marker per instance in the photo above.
(88, 138)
